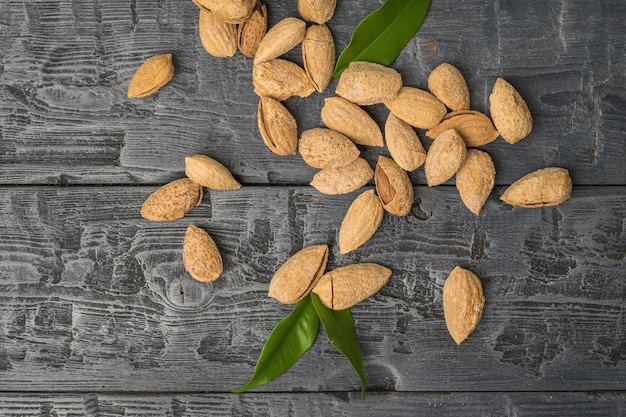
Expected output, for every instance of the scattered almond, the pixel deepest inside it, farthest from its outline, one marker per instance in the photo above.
(318, 11)
(366, 83)
(201, 258)
(318, 55)
(509, 112)
(403, 143)
(281, 38)
(172, 201)
(277, 126)
(231, 11)
(393, 187)
(447, 84)
(252, 30)
(474, 127)
(344, 179)
(209, 173)
(463, 303)
(444, 158)
(153, 74)
(218, 38)
(326, 148)
(542, 188)
(348, 118)
(475, 179)
(360, 222)
(417, 107)
(280, 79)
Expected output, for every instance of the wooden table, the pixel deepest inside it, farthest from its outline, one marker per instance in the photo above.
(99, 318)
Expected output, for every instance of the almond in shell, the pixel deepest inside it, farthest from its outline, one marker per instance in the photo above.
(444, 158)
(475, 179)
(231, 11)
(344, 179)
(404, 145)
(218, 38)
(542, 188)
(251, 31)
(417, 107)
(278, 127)
(299, 274)
(209, 173)
(366, 83)
(447, 84)
(172, 201)
(463, 303)
(360, 222)
(474, 127)
(280, 79)
(318, 55)
(348, 118)
(318, 11)
(509, 112)
(281, 38)
(393, 187)
(201, 258)
(153, 74)
(346, 286)
(326, 148)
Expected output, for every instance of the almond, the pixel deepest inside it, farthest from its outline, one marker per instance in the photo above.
(365, 83)
(231, 11)
(325, 148)
(281, 38)
(447, 84)
(463, 303)
(393, 187)
(318, 55)
(280, 79)
(542, 188)
(348, 118)
(252, 30)
(346, 286)
(151, 76)
(218, 38)
(474, 127)
(209, 173)
(318, 11)
(277, 126)
(299, 274)
(360, 222)
(417, 107)
(475, 179)
(201, 258)
(403, 143)
(344, 179)
(172, 201)
(444, 158)
(509, 112)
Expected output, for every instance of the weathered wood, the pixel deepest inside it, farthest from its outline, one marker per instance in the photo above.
(92, 297)
(549, 404)
(65, 118)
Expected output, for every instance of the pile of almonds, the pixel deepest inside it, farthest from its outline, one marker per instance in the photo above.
(226, 26)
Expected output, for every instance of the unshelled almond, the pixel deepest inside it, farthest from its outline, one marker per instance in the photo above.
(344, 179)
(542, 188)
(218, 38)
(417, 107)
(366, 83)
(360, 222)
(348, 285)
(474, 127)
(326, 148)
(404, 145)
(444, 158)
(201, 258)
(463, 303)
(447, 84)
(172, 200)
(509, 112)
(153, 74)
(280, 79)
(318, 55)
(209, 173)
(348, 118)
(299, 274)
(278, 127)
(252, 30)
(475, 179)
(318, 11)
(393, 187)
(231, 11)
(281, 38)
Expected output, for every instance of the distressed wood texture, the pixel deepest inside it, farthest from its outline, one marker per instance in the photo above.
(549, 404)
(92, 297)
(65, 67)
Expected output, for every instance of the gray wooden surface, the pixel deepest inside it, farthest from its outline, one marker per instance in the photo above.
(99, 318)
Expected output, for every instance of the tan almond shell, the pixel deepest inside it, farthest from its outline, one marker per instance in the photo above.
(231, 11)
(393, 187)
(325, 148)
(475, 179)
(360, 222)
(509, 112)
(444, 158)
(463, 303)
(201, 258)
(348, 118)
(318, 55)
(366, 83)
(209, 173)
(417, 107)
(251, 31)
(474, 127)
(218, 38)
(404, 145)
(542, 188)
(447, 84)
(280, 39)
(344, 179)
(172, 200)
(278, 127)
(348, 285)
(153, 74)
(280, 79)
(317, 11)
(299, 274)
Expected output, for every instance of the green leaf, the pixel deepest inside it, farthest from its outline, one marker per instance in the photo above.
(289, 340)
(382, 34)
(339, 327)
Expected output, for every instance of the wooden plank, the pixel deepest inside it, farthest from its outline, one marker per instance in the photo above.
(65, 118)
(92, 297)
(549, 404)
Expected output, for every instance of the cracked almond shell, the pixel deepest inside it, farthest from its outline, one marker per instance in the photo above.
(475, 179)
(474, 127)
(318, 55)
(280, 79)
(360, 222)
(417, 107)
(278, 127)
(231, 11)
(280, 39)
(447, 84)
(348, 118)
(366, 83)
(250, 32)
(153, 74)
(209, 173)
(324, 148)
(509, 112)
(201, 258)
(542, 188)
(172, 200)
(393, 187)
(404, 145)
(463, 303)
(344, 179)
(444, 158)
